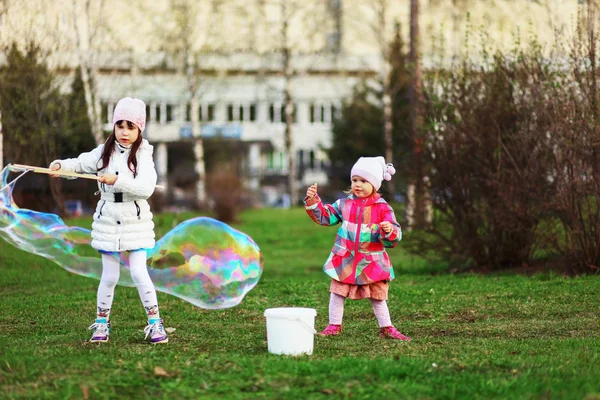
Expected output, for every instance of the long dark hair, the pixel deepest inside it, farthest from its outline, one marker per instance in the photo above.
(111, 142)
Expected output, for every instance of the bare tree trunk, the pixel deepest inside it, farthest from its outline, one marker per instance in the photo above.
(98, 123)
(592, 54)
(190, 60)
(387, 122)
(89, 101)
(57, 195)
(289, 106)
(3, 9)
(418, 207)
(199, 165)
(594, 89)
(289, 146)
(200, 170)
(88, 72)
(386, 70)
(1, 145)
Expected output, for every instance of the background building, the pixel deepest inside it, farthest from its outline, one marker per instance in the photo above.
(235, 47)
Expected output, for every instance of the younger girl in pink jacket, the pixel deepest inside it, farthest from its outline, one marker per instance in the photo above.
(358, 264)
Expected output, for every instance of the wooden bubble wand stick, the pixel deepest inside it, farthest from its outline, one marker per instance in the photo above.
(48, 171)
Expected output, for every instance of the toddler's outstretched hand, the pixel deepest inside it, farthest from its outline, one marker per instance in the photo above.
(386, 226)
(312, 191)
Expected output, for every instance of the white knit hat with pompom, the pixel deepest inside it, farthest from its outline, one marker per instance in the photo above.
(374, 170)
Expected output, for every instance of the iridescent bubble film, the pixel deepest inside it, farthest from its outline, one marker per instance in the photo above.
(202, 261)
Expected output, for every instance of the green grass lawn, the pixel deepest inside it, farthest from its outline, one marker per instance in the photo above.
(500, 336)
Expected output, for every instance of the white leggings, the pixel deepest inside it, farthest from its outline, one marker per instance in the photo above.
(139, 274)
(336, 310)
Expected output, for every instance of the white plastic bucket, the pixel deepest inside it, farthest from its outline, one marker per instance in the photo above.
(290, 331)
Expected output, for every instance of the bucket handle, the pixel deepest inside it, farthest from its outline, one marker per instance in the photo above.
(310, 329)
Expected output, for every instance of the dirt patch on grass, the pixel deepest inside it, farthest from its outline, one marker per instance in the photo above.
(465, 315)
(557, 266)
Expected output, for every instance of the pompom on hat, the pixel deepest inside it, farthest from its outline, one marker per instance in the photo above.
(374, 170)
(132, 110)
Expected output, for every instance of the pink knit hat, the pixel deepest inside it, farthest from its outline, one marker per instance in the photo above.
(132, 110)
(373, 170)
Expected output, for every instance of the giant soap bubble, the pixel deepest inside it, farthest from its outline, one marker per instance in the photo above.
(202, 261)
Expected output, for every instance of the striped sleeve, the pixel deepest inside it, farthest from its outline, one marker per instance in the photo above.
(324, 214)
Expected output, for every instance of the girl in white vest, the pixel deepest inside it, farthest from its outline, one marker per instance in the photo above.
(122, 221)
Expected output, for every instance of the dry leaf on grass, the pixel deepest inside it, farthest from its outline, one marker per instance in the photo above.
(159, 371)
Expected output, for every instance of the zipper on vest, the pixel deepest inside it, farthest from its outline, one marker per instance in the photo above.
(101, 207)
(137, 207)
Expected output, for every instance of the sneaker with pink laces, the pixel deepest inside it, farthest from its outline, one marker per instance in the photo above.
(392, 333)
(331, 330)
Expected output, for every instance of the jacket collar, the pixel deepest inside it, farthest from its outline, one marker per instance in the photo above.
(368, 201)
(121, 147)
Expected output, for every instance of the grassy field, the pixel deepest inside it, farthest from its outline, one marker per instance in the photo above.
(498, 336)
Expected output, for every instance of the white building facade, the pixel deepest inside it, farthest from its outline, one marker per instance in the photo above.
(240, 98)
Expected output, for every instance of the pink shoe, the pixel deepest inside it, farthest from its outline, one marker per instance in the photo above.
(393, 333)
(331, 330)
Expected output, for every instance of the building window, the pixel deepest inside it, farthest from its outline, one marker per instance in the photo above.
(206, 113)
(277, 113)
(169, 112)
(282, 113)
(157, 116)
(241, 113)
(323, 113)
(317, 113)
(271, 160)
(336, 112)
(148, 116)
(188, 112)
(312, 160)
(300, 155)
(272, 113)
